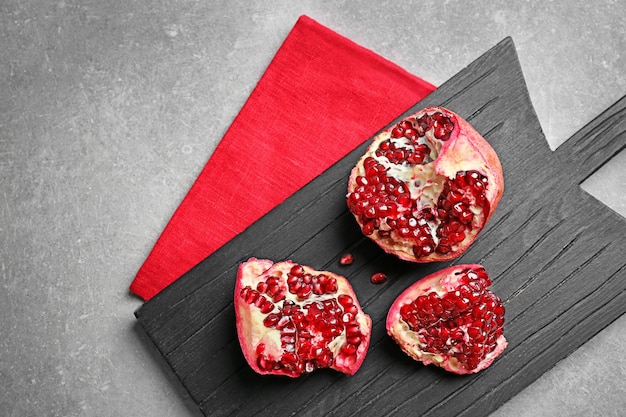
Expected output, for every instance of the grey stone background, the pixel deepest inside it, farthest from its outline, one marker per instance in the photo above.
(110, 108)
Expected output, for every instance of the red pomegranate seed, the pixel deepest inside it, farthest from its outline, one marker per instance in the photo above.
(345, 300)
(379, 278)
(346, 259)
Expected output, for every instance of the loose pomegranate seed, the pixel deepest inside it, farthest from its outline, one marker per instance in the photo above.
(379, 278)
(345, 300)
(297, 270)
(346, 259)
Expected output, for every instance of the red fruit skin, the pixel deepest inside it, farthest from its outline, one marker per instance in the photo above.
(249, 320)
(404, 336)
(465, 150)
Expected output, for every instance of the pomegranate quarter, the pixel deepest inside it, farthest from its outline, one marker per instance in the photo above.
(450, 319)
(292, 319)
(426, 186)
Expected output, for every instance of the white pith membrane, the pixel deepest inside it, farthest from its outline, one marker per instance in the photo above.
(409, 339)
(256, 338)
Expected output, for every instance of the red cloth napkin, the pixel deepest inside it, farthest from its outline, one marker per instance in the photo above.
(321, 96)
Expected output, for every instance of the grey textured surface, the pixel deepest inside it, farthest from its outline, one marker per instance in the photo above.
(109, 109)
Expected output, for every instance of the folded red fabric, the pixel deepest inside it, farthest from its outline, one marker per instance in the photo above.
(321, 96)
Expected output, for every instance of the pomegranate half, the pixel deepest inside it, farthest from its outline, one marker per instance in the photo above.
(450, 319)
(292, 319)
(426, 186)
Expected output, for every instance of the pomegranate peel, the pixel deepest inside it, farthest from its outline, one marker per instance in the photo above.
(426, 186)
(292, 319)
(450, 319)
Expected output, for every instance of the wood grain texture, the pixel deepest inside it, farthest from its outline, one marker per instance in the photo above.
(556, 256)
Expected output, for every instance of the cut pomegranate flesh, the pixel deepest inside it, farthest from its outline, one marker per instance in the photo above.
(292, 319)
(426, 186)
(450, 319)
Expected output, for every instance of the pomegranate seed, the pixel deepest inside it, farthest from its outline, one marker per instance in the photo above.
(405, 124)
(317, 288)
(331, 286)
(346, 259)
(289, 328)
(410, 133)
(369, 227)
(279, 296)
(264, 363)
(292, 279)
(271, 290)
(289, 358)
(348, 349)
(379, 278)
(288, 308)
(473, 332)
(262, 286)
(244, 292)
(498, 310)
(353, 330)
(304, 292)
(351, 309)
(271, 320)
(252, 297)
(296, 286)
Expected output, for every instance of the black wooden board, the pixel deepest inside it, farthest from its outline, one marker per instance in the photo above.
(555, 253)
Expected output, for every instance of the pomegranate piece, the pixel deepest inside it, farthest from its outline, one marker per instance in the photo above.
(292, 319)
(450, 319)
(426, 186)
(379, 278)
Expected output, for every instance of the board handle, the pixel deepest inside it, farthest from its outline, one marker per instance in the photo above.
(596, 143)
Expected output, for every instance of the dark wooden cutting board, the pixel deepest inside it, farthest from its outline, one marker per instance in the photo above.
(555, 253)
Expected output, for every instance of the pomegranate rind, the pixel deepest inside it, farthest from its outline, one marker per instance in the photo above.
(441, 282)
(464, 150)
(251, 330)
